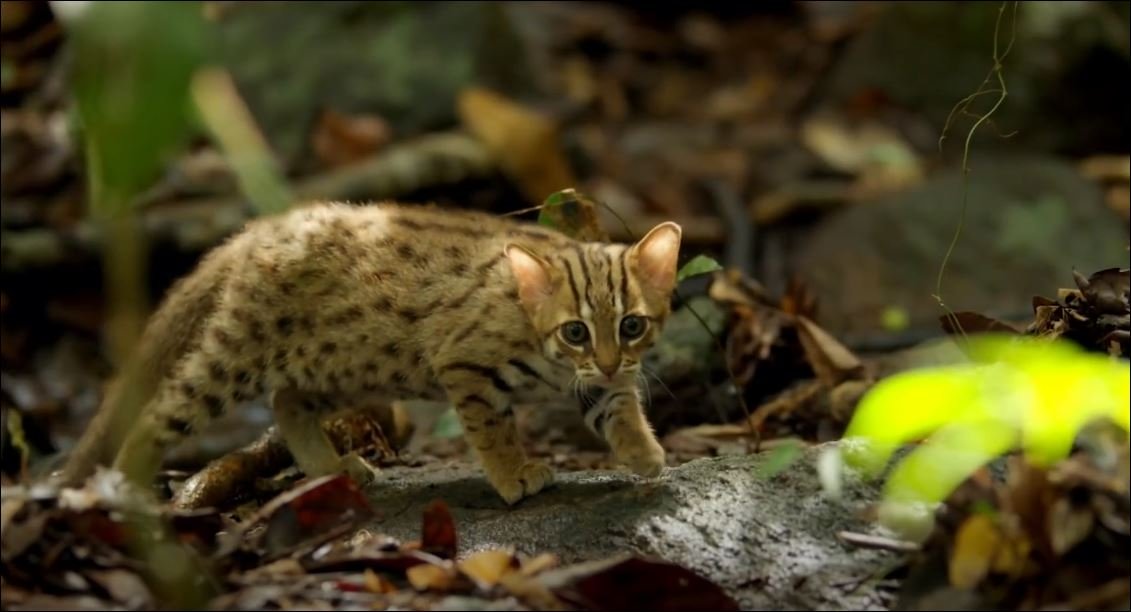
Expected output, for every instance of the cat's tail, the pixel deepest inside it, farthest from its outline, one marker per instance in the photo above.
(171, 332)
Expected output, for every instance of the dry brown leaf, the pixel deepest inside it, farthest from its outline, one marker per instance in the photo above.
(1106, 290)
(124, 586)
(880, 158)
(831, 360)
(428, 577)
(1107, 167)
(786, 402)
(9, 508)
(1119, 200)
(733, 288)
(525, 142)
(975, 545)
(530, 590)
(376, 583)
(1068, 525)
(844, 398)
(341, 139)
(540, 563)
(487, 567)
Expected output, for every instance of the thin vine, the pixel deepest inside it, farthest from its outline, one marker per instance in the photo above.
(987, 87)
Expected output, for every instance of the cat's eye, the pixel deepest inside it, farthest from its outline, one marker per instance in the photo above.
(632, 327)
(575, 332)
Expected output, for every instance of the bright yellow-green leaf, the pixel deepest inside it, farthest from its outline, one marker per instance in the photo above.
(895, 318)
(1036, 395)
(19, 441)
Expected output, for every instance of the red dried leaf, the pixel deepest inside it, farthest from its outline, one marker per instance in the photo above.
(97, 525)
(197, 527)
(439, 531)
(319, 506)
(642, 584)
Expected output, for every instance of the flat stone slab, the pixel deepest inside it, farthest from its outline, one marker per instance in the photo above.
(769, 541)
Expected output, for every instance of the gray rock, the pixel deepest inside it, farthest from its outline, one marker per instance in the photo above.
(1062, 73)
(769, 541)
(1029, 222)
(405, 61)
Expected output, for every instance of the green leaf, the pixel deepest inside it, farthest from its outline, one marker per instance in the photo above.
(132, 63)
(572, 213)
(700, 265)
(548, 215)
(780, 458)
(448, 425)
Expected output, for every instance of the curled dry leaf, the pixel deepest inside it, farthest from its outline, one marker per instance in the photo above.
(830, 360)
(635, 583)
(1068, 525)
(341, 139)
(319, 508)
(1106, 291)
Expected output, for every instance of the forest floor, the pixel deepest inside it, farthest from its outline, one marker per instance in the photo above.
(797, 144)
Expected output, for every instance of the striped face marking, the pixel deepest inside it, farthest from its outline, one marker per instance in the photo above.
(600, 305)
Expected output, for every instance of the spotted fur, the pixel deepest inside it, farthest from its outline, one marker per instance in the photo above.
(331, 301)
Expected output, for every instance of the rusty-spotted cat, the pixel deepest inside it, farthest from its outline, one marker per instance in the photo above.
(331, 301)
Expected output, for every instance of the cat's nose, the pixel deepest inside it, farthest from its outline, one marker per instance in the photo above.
(608, 370)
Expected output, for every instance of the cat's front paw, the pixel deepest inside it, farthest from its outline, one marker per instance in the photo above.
(358, 469)
(529, 479)
(646, 460)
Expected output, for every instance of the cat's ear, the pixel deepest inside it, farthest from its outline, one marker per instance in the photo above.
(532, 273)
(656, 255)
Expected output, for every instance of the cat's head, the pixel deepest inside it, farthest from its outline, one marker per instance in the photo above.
(599, 306)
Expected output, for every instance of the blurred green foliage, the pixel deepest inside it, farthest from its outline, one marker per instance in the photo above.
(133, 63)
(1029, 394)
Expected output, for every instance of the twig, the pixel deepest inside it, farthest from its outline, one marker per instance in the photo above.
(863, 540)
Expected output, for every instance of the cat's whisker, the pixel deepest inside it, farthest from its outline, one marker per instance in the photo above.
(647, 387)
(654, 375)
